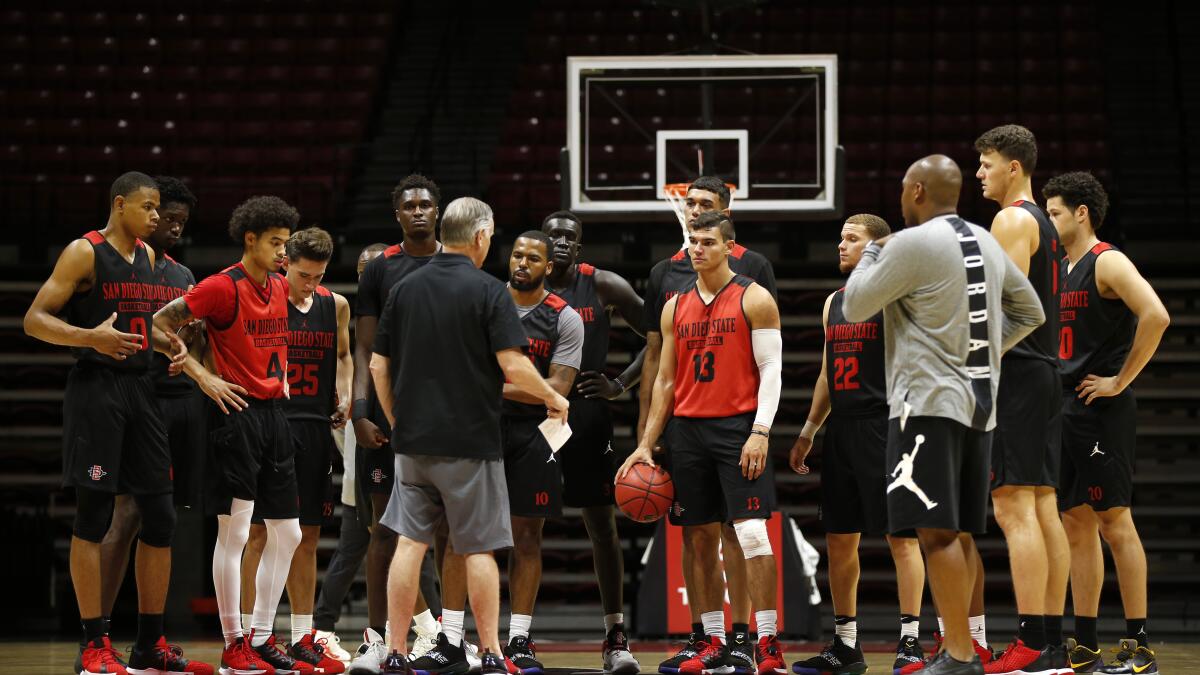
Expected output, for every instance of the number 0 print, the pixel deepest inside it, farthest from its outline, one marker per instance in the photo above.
(1066, 342)
(138, 325)
(541, 499)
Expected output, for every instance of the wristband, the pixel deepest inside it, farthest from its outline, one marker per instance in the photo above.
(809, 430)
(620, 384)
(758, 432)
(360, 409)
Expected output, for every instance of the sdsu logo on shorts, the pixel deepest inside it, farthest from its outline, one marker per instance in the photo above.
(377, 476)
(96, 472)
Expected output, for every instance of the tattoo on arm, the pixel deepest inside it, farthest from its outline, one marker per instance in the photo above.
(174, 314)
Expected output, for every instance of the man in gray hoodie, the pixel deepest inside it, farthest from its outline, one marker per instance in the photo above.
(952, 302)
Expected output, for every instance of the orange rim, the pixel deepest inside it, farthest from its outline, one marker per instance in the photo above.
(680, 189)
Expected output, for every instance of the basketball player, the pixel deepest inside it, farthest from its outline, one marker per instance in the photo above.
(587, 457)
(180, 403)
(944, 332)
(535, 485)
(415, 202)
(1026, 448)
(353, 536)
(1112, 321)
(668, 278)
(851, 393)
(244, 308)
(319, 367)
(719, 379)
(114, 439)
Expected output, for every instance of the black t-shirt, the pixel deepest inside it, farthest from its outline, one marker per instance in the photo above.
(674, 275)
(441, 328)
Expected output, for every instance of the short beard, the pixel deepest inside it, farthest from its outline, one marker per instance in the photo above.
(526, 285)
(845, 267)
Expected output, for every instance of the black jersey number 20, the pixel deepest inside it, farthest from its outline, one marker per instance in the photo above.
(703, 369)
(274, 368)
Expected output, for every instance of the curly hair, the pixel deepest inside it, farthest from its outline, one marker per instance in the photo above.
(311, 243)
(1012, 141)
(416, 181)
(715, 219)
(1079, 188)
(259, 214)
(171, 190)
(876, 227)
(714, 185)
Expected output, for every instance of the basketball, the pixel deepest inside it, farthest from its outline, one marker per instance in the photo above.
(645, 493)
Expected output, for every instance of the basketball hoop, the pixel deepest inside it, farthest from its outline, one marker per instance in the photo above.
(680, 190)
(675, 193)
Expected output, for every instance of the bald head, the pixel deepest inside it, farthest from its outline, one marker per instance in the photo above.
(931, 188)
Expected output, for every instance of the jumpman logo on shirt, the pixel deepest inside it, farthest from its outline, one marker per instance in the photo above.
(1096, 450)
(903, 474)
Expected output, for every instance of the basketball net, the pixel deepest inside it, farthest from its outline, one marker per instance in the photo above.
(676, 194)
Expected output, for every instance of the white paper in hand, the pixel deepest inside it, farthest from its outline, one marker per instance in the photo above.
(557, 432)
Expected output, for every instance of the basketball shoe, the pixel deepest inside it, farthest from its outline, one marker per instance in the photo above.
(424, 642)
(99, 659)
(396, 664)
(239, 658)
(333, 645)
(1018, 658)
(313, 652)
(443, 659)
(944, 664)
(741, 653)
(618, 660)
(1132, 659)
(837, 658)
(769, 655)
(985, 655)
(164, 659)
(283, 664)
(712, 659)
(908, 652)
(523, 653)
(371, 654)
(689, 650)
(1082, 659)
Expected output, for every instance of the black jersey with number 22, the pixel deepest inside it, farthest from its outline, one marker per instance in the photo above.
(854, 363)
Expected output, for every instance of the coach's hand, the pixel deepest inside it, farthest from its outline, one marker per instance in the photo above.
(338, 419)
(595, 384)
(799, 453)
(367, 434)
(1094, 386)
(179, 352)
(754, 456)
(640, 456)
(224, 393)
(113, 343)
(557, 407)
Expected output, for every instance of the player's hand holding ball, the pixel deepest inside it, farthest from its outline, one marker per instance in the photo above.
(113, 343)
(642, 455)
(754, 455)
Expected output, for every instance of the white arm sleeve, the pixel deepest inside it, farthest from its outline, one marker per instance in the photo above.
(768, 354)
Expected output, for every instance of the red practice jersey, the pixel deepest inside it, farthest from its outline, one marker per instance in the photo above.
(247, 328)
(715, 371)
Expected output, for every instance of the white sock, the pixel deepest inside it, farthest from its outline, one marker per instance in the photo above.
(233, 531)
(611, 620)
(979, 631)
(301, 626)
(848, 632)
(425, 622)
(910, 628)
(714, 624)
(283, 536)
(765, 618)
(518, 625)
(452, 625)
(941, 626)
(246, 620)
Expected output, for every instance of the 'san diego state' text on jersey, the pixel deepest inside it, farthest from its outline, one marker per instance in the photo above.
(312, 358)
(541, 327)
(252, 349)
(1096, 332)
(715, 371)
(854, 363)
(675, 275)
(124, 287)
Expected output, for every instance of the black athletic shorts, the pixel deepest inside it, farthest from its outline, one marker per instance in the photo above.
(1098, 451)
(530, 469)
(314, 470)
(252, 457)
(853, 489)
(113, 435)
(706, 470)
(1027, 441)
(186, 421)
(937, 475)
(588, 464)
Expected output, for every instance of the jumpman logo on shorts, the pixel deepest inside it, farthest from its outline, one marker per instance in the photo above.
(553, 458)
(1096, 450)
(904, 471)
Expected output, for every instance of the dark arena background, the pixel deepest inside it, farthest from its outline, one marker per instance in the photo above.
(329, 104)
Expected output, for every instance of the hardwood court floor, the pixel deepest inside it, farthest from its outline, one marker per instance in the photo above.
(58, 657)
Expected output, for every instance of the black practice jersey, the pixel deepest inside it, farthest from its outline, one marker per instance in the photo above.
(541, 327)
(675, 275)
(1043, 274)
(312, 358)
(174, 280)
(583, 297)
(854, 363)
(1096, 332)
(126, 288)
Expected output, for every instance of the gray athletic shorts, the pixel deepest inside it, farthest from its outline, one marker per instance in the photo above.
(471, 494)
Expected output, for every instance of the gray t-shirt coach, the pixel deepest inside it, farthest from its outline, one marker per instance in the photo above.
(919, 280)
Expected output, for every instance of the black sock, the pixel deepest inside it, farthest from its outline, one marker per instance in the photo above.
(1085, 632)
(1054, 629)
(1032, 631)
(1136, 628)
(742, 628)
(107, 624)
(697, 631)
(93, 629)
(150, 628)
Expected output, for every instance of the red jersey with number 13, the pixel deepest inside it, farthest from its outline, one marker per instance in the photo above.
(715, 371)
(247, 328)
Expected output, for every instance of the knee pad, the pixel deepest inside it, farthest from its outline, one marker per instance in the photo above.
(158, 520)
(284, 534)
(752, 535)
(93, 511)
